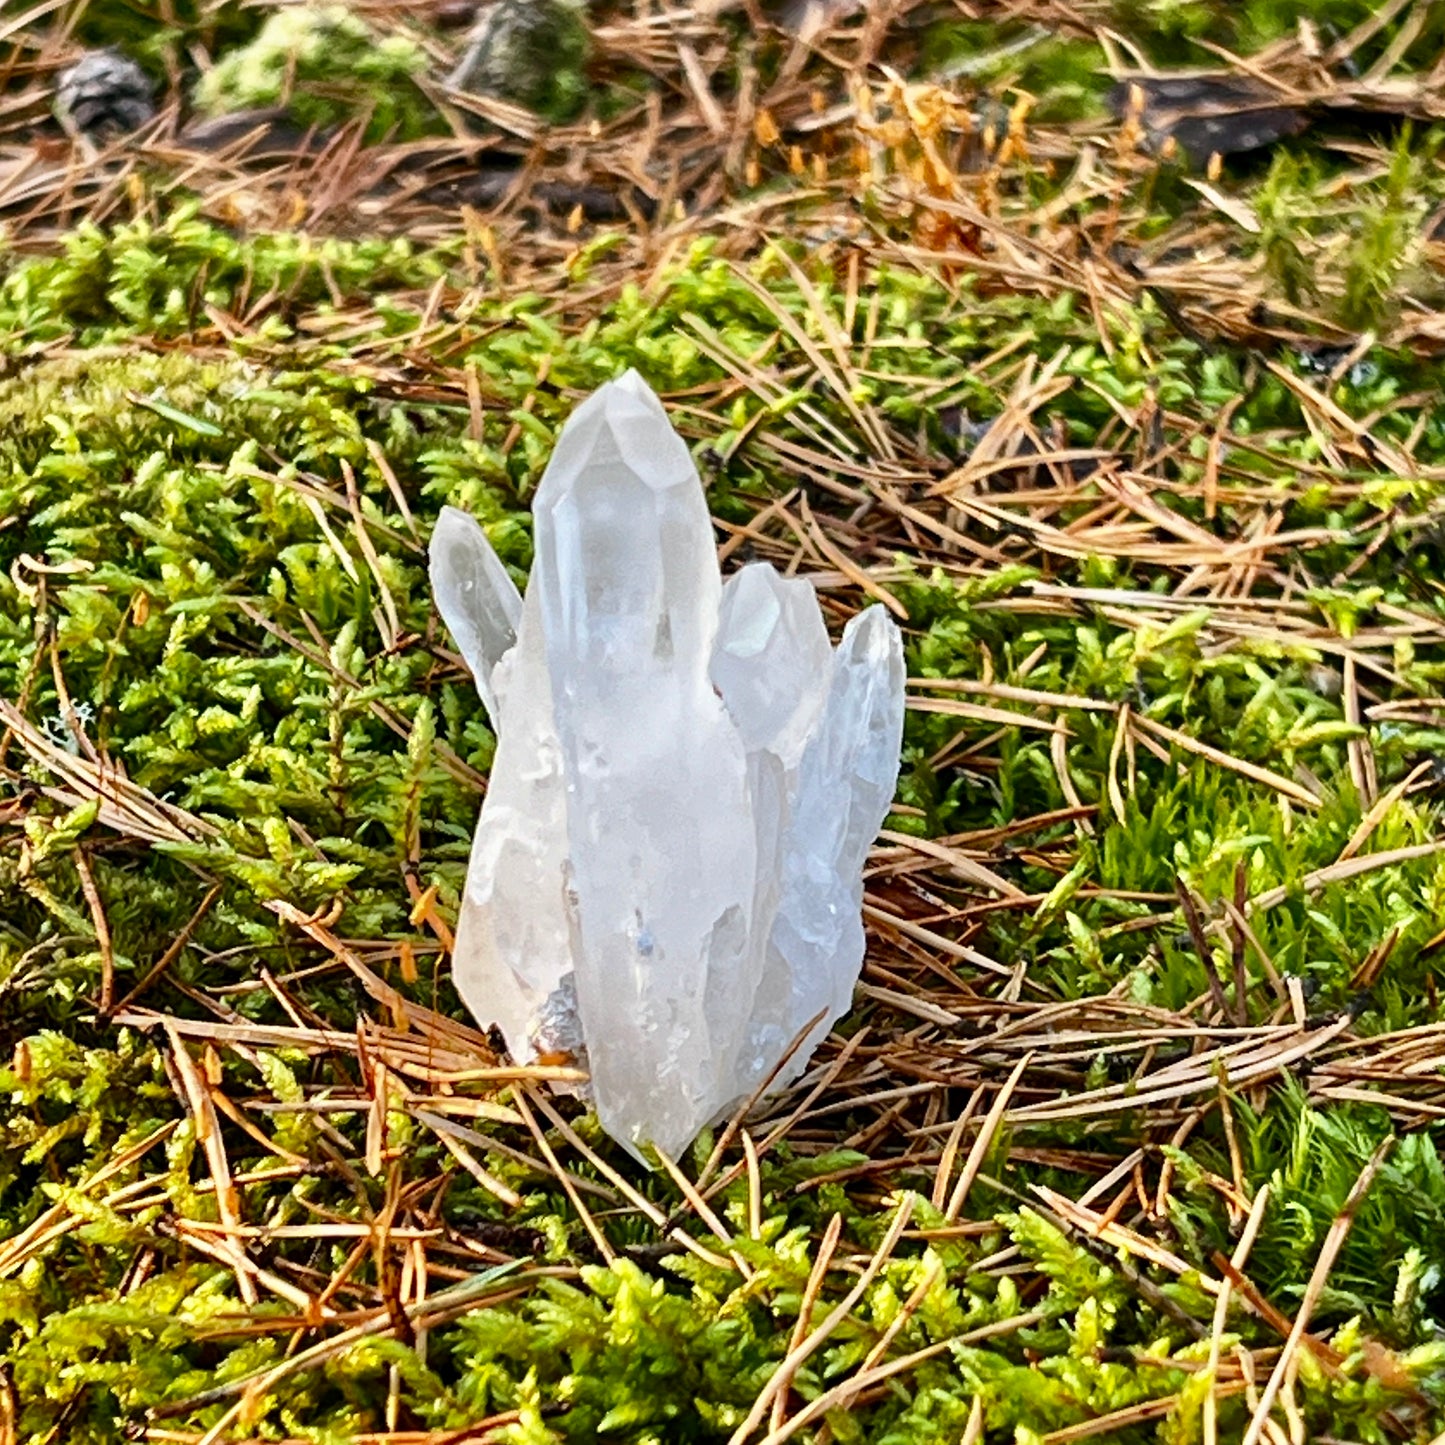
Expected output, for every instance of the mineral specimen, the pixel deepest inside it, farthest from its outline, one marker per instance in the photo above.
(666, 879)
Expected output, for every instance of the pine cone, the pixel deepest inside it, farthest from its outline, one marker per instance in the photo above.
(104, 94)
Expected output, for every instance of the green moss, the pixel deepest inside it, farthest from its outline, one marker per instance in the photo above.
(1067, 77)
(237, 657)
(1171, 33)
(214, 537)
(325, 65)
(157, 280)
(161, 34)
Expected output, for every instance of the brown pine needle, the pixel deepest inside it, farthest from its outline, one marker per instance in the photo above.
(1324, 1263)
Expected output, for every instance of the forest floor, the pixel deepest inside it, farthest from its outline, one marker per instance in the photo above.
(1100, 341)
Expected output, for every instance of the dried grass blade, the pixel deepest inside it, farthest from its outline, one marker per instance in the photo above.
(1238, 1260)
(984, 1142)
(1253, 771)
(208, 1132)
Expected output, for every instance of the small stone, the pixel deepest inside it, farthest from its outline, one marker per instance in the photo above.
(529, 53)
(808, 18)
(264, 131)
(103, 95)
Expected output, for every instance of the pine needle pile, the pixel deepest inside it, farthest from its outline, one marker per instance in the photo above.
(1100, 342)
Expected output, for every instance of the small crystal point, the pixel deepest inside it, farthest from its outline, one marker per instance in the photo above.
(666, 880)
(845, 784)
(623, 515)
(476, 597)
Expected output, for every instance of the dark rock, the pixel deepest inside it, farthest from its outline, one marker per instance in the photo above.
(265, 131)
(1205, 115)
(806, 18)
(529, 53)
(104, 94)
(496, 175)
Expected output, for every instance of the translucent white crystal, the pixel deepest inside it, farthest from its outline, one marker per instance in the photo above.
(667, 873)
(843, 791)
(476, 597)
(512, 964)
(658, 819)
(772, 664)
(513, 957)
(772, 660)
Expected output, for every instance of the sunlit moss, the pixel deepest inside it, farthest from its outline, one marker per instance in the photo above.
(325, 65)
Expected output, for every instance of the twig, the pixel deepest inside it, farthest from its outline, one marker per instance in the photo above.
(102, 931)
(173, 951)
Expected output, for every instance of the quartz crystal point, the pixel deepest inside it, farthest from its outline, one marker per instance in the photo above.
(772, 660)
(842, 793)
(666, 880)
(513, 957)
(662, 848)
(476, 597)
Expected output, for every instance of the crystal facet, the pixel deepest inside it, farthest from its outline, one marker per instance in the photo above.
(666, 880)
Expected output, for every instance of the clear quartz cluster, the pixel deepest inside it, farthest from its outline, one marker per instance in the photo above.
(666, 878)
